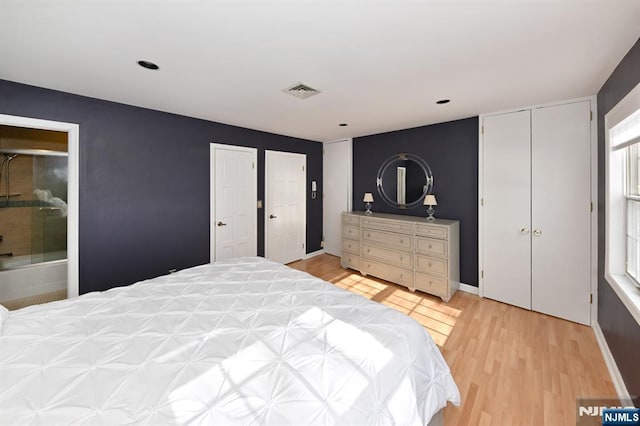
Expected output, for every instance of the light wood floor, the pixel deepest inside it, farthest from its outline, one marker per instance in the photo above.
(512, 366)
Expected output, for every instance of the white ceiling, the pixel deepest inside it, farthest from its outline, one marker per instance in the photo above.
(380, 65)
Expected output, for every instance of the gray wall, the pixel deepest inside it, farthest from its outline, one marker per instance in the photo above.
(144, 182)
(620, 329)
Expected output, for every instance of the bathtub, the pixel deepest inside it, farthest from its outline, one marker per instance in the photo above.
(24, 279)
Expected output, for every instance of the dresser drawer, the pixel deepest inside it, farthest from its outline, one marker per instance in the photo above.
(387, 225)
(351, 246)
(350, 232)
(389, 273)
(431, 285)
(433, 231)
(431, 247)
(350, 261)
(392, 257)
(431, 265)
(350, 220)
(391, 239)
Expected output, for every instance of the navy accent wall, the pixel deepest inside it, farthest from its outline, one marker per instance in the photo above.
(144, 182)
(451, 150)
(619, 327)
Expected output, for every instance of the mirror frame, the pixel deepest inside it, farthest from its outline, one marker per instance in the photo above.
(404, 156)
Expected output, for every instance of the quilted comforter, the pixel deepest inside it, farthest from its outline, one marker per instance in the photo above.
(244, 341)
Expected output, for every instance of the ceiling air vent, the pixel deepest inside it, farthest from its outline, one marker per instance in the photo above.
(301, 91)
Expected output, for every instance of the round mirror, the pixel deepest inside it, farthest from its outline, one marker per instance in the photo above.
(404, 180)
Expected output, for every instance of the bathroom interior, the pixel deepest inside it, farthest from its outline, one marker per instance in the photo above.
(33, 216)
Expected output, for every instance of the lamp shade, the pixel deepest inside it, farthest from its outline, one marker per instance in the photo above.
(430, 200)
(368, 197)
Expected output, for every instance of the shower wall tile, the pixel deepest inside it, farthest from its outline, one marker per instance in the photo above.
(15, 228)
(15, 222)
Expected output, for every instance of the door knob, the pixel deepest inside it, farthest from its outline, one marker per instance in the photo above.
(537, 232)
(275, 217)
(524, 230)
(222, 223)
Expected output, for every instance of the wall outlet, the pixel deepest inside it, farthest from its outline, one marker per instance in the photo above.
(322, 244)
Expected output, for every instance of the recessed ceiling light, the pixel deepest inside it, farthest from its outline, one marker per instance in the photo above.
(148, 65)
(443, 101)
(343, 124)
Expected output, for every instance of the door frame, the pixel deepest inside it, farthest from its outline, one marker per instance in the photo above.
(266, 200)
(212, 194)
(73, 197)
(594, 193)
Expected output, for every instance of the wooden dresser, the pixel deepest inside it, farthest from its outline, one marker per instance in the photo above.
(406, 250)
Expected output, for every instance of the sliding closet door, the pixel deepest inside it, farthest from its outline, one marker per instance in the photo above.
(506, 209)
(561, 211)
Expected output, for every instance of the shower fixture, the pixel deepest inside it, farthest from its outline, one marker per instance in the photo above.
(5, 161)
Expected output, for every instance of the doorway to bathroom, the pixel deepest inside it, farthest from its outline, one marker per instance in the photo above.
(38, 211)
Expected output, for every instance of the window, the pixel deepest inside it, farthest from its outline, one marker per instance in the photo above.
(627, 135)
(622, 252)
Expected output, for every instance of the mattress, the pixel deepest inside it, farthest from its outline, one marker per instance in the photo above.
(243, 341)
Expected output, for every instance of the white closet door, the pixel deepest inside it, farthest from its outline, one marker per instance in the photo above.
(561, 215)
(234, 188)
(285, 206)
(506, 211)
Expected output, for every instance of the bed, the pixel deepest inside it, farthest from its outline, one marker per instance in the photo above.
(243, 341)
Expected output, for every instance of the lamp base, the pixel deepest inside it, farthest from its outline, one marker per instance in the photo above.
(430, 212)
(368, 210)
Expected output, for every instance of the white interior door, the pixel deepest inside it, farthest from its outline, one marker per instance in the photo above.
(285, 206)
(234, 193)
(336, 177)
(506, 209)
(561, 211)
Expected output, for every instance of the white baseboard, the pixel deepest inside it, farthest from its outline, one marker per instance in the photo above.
(616, 377)
(313, 254)
(469, 289)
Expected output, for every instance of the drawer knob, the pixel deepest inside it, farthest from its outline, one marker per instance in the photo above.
(429, 245)
(401, 241)
(368, 235)
(401, 258)
(429, 264)
(368, 250)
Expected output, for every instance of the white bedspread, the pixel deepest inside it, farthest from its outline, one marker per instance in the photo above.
(245, 341)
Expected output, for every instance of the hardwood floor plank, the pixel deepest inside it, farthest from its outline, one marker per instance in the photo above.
(512, 366)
